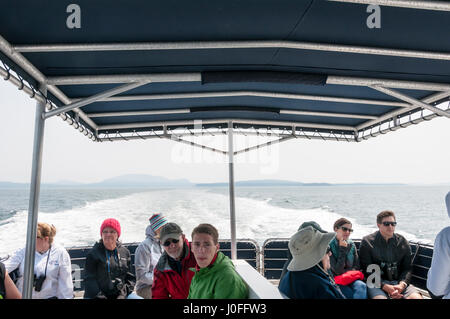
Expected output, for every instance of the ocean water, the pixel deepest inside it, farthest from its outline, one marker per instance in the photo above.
(261, 212)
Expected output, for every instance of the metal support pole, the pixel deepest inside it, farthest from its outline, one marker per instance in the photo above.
(34, 198)
(231, 187)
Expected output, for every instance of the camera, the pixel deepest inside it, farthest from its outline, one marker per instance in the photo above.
(390, 270)
(38, 282)
(118, 284)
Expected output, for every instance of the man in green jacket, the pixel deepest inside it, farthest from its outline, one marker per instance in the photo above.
(215, 276)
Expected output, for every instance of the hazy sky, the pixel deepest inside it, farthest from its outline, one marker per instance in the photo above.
(416, 154)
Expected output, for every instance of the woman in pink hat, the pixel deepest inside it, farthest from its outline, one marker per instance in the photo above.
(108, 266)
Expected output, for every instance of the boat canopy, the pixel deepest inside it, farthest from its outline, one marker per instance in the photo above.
(343, 70)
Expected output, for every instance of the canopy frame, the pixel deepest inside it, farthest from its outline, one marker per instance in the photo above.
(51, 101)
(410, 4)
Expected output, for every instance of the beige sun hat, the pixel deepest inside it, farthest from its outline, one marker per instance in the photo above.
(308, 246)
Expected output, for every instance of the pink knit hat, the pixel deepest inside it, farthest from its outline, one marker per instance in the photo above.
(112, 223)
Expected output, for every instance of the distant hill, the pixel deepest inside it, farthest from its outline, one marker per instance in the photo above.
(265, 182)
(137, 180)
(13, 185)
(124, 181)
(150, 181)
(274, 182)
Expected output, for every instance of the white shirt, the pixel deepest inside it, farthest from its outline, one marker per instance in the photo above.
(58, 282)
(438, 281)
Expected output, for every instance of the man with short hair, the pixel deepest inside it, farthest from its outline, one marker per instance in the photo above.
(392, 253)
(173, 276)
(215, 276)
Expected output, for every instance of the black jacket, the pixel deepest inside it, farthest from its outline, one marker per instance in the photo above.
(393, 256)
(311, 283)
(2, 281)
(113, 282)
(339, 260)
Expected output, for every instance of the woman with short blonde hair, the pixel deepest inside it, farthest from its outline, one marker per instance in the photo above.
(46, 230)
(52, 266)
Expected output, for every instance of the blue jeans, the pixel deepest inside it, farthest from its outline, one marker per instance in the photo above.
(356, 290)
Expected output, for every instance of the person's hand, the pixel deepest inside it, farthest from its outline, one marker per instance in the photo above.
(400, 287)
(396, 295)
(343, 243)
(392, 291)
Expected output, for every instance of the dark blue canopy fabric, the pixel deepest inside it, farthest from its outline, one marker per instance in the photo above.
(255, 69)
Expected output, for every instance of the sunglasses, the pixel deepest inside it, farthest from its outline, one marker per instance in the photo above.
(347, 229)
(170, 241)
(389, 224)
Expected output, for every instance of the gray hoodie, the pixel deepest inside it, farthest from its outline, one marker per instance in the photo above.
(146, 258)
(438, 281)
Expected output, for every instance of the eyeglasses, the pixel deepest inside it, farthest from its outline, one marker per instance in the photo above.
(328, 250)
(347, 229)
(109, 232)
(389, 224)
(169, 241)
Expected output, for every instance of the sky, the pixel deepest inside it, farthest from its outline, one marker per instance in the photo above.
(418, 154)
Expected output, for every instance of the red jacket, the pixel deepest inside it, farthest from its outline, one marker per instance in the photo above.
(167, 283)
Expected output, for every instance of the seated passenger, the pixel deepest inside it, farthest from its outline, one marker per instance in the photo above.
(344, 261)
(52, 266)
(172, 276)
(438, 280)
(307, 276)
(215, 276)
(289, 255)
(108, 266)
(7, 288)
(392, 253)
(147, 255)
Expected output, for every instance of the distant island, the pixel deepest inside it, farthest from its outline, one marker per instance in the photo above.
(264, 182)
(123, 181)
(150, 181)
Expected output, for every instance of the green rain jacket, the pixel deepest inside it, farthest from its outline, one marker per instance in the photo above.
(218, 281)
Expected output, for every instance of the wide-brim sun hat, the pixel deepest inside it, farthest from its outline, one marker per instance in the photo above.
(308, 246)
(313, 224)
